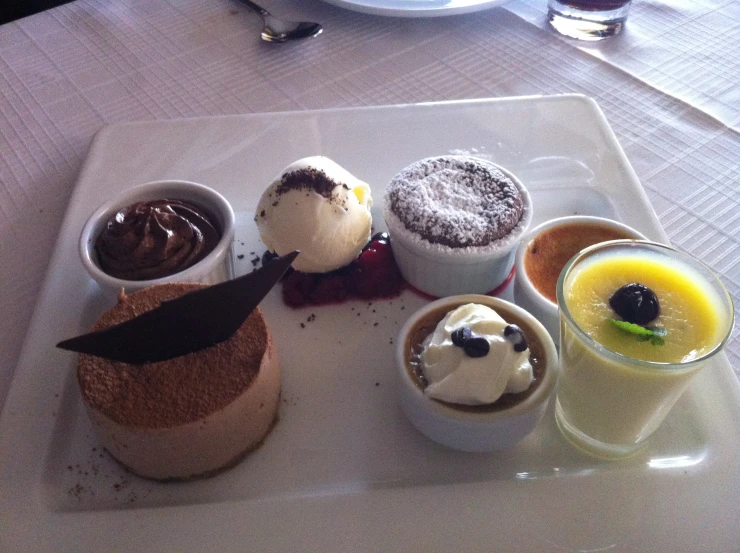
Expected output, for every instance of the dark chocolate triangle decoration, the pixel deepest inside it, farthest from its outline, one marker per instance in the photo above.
(192, 322)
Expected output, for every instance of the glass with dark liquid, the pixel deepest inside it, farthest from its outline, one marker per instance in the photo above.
(588, 19)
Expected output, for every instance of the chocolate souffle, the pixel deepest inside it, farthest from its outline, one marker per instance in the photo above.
(189, 416)
(454, 222)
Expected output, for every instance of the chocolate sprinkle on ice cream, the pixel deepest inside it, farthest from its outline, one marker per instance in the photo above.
(456, 201)
(309, 179)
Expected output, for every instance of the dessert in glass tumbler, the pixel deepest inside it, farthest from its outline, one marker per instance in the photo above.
(317, 207)
(638, 321)
(475, 372)
(455, 222)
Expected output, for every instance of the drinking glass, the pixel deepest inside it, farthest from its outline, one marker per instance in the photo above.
(588, 19)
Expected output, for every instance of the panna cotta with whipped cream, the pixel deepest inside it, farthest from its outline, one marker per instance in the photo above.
(319, 208)
(475, 372)
(455, 358)
(186, 417)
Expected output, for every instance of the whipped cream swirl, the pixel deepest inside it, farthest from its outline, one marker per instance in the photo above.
(155, 239)
(455, 377)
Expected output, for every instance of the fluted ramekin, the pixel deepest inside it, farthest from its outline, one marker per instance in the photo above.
(217, 266)
(445, 271)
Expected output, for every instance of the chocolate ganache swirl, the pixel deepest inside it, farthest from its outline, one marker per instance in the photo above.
(155, 239)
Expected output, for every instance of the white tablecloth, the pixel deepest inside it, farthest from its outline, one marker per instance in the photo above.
(670, 88)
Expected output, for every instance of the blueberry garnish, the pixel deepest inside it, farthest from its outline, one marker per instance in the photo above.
(461, 335)
(477, 346)
(514, 334)
(635, 303)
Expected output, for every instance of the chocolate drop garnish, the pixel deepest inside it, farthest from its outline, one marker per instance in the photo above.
(514, 334)
(461, 335)
(477, 346)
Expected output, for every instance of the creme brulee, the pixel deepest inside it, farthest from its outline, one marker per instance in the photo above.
(549, 251)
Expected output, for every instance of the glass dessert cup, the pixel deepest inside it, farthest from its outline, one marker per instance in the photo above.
(217, 266)
(609, 403)
(486, 427)
(528, 290)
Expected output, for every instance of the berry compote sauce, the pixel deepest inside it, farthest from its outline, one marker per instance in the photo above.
(373, 275)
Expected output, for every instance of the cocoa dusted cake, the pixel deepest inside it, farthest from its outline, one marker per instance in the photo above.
(186, 417)
(454, 223)
(455, 202)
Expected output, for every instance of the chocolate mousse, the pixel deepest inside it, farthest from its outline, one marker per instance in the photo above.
(189, 416)
(155, 239)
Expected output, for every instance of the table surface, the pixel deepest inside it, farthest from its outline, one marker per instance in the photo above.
(669, 86)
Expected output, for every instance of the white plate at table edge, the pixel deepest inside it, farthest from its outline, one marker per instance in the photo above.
(416, 8)
(365, 511)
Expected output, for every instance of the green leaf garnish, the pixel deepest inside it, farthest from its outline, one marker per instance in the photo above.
(632, 328)
(642, 333)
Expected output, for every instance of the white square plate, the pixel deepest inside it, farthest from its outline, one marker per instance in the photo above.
(344, 470)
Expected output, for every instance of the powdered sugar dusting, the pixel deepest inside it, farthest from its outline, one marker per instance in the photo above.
(456, 201)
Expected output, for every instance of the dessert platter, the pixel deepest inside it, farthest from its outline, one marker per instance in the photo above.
(335, 405)
(416, 8)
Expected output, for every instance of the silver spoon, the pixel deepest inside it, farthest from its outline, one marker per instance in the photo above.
(277, 30)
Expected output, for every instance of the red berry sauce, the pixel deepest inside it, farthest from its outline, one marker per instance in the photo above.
(373, 275)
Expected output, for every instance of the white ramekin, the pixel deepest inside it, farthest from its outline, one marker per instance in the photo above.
(527, 296)
(217, 266)
(464, 429)
(443, 271)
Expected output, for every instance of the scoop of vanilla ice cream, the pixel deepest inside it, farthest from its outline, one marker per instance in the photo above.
(319, 208)
(455, 377)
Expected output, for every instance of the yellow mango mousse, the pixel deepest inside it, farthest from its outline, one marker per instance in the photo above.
(614, 390)
(689, 313)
